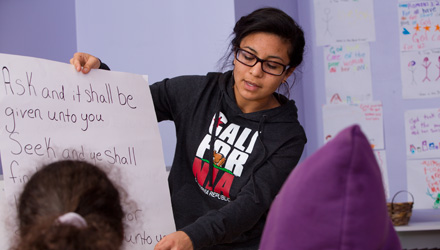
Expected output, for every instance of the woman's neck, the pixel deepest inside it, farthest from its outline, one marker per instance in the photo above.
(247, 106)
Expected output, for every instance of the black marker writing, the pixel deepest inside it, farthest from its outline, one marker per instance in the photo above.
(53, 94)
(21, 179)
(125, 99)
(31, 149)
(94, 96)
(22, 114)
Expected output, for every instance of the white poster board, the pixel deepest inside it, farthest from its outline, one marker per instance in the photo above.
(419, 23)
(420, 71)
(50, 112)
(3, 232)
(419, 33)
(422, 129)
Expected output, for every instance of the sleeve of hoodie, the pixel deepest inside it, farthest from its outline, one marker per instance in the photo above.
(231, 222)
(170, 96)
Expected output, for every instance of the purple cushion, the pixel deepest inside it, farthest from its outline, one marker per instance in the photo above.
(335, 199)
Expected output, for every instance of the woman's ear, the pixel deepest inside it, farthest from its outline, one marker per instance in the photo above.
(288, 73)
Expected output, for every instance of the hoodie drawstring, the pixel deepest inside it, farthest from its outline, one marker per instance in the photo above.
(211, 143)
(258, 166)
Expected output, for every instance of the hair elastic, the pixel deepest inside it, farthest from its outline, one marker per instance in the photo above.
(72, 219)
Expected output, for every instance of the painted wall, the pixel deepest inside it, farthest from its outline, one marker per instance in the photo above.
(44, 29)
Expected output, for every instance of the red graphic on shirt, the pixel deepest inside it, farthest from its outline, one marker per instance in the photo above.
(222, 186)
(220, 122)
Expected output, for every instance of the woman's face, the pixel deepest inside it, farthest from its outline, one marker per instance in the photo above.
(253, 87)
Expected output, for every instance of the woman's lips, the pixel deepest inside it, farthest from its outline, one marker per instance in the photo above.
(250, 86)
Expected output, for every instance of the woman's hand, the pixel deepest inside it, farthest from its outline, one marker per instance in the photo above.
(175, 241)
(84, 62)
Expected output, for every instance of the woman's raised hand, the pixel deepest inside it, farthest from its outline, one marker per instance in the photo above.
(84, 62)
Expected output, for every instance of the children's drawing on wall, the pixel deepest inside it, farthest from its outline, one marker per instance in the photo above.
(382, 162)
(419, 25)
(422, 129)
(424, 182)
(347, 73)
(412, 67)
(420, 73)
(368, 115)
(327, 19)
(50, 112)
(426, 64)
(344, 21)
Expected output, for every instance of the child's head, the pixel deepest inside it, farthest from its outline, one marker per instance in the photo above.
(70, 186)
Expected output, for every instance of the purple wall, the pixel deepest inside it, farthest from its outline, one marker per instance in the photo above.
(44, 28)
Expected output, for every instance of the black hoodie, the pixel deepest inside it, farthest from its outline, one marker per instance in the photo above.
(222, 186)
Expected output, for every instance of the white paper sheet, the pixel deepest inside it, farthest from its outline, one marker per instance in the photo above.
(369, 116)
(419, 25)
(344, 21)
(347, 73)
(424, 183)
(382, 162)
(420, 71)
(51, 112)
(422, 129)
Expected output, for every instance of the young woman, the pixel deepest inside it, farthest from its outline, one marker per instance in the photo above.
(237, 139)
(70, 205)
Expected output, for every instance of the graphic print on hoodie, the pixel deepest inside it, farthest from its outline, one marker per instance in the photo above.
(232, 146)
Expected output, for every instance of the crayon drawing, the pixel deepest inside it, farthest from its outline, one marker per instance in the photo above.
(423, 178)
(420, 73)
(419, 24)
(347, 73)
(422, 129)
(344, 21)
(368, 115)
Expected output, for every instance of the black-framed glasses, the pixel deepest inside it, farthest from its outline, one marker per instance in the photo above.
(249, 59)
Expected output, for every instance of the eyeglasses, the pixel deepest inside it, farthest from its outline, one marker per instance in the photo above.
(249, 59)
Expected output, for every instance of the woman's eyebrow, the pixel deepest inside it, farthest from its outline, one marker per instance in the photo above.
(270, 57)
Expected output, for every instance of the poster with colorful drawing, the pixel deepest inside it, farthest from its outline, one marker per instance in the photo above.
(347, 73)
(420, 71)
(419, 25)
(422, 129)
(423, 178)
(369, 116)
(50, 112)
(344, 21)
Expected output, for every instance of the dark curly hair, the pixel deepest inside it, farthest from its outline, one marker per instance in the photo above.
(274, 21)
(70, 186)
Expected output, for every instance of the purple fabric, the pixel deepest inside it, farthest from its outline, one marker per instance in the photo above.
(333, 200)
